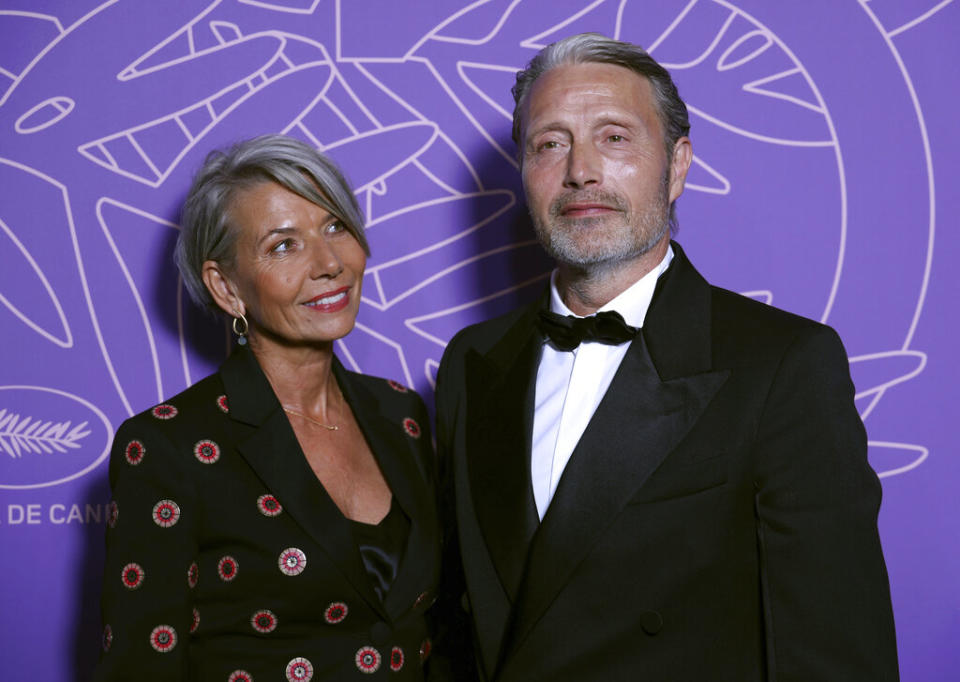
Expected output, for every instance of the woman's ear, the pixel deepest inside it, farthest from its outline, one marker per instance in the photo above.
(222, 289)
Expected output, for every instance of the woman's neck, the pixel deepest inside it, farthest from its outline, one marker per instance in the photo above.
(301, 377)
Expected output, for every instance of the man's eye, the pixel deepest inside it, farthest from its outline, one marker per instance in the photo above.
(335, 227)
(549, 144)
(615, 138)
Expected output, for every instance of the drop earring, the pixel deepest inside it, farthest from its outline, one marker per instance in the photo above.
(240, 328)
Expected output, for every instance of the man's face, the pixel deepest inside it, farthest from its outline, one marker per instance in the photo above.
(595, 171)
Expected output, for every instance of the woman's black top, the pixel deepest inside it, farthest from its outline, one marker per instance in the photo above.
(382, 545)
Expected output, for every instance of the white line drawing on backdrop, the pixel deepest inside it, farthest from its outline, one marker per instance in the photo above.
(51, 439)
(413, 156)
(20, 434)
(67, 340)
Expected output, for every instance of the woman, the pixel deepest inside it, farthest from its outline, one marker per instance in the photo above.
(276, 520)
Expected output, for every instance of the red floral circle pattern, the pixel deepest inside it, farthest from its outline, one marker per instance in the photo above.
(107, 638)
(396, 386)
(134, 452)
(166, 513)
(292, 561)
(207, 451)
(269, 505)
(264, 621)
(368, 660)
(193, 574)
(396, 659)
(164, 411)
(335, 612)
(132, 576)
(113, 511)
(411, 427)
(227, 568)
(163, 638)
(240, 676)
(299, 670)
(222, 404)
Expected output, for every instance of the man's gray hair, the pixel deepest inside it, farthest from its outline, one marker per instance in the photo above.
(588, 48)
(593, 48)
(205, 230)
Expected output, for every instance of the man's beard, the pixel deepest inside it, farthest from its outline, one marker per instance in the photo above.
(595, 243)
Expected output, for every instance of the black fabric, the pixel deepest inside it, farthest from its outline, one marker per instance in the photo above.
(224, 453)
(566, 332)
(716, 520)
(381, 547)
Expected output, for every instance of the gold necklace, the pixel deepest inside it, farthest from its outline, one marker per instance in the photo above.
(328, 427)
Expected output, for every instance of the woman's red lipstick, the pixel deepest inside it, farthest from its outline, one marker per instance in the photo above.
(331, 301)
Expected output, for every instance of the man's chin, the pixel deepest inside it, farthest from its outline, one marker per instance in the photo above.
(599, 260)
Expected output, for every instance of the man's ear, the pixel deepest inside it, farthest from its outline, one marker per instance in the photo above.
(222, 288)
(680, 162)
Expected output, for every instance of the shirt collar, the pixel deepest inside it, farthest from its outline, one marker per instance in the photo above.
(632, 303)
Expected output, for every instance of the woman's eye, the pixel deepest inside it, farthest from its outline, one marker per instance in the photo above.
(283, 246)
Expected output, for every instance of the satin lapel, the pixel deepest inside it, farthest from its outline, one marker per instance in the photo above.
(640, 420)
(273, 452)
(397, 455)
(501, 387)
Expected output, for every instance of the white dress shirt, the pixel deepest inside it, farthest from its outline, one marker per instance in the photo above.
(571, 384)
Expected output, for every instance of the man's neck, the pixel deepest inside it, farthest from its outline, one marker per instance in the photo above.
(586, 290)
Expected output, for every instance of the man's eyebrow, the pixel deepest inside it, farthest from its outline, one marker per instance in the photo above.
(546, 127)
(619, 121)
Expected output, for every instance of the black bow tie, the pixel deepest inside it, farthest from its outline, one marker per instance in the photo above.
(568, 332)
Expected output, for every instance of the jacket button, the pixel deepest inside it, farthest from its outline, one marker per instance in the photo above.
(651, 622)
(380, 633)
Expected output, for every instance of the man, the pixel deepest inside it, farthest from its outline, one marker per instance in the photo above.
(690, 502)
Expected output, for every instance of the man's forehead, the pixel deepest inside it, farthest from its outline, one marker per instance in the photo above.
(589, 85)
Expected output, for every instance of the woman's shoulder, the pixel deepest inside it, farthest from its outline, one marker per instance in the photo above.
(386, 390)
(198, 403)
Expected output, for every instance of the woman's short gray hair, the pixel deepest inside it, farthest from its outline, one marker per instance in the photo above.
(205, 232)
(586, 48)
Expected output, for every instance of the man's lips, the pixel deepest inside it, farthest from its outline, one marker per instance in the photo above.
(331, 301)
(585, 208)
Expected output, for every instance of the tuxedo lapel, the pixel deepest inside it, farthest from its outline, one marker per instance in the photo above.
(270, 447)
(642, 417)
(502, 383)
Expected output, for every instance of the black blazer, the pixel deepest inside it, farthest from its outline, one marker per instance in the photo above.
(716, 521)
(225, 553)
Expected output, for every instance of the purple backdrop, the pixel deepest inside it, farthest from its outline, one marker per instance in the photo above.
(824, 137)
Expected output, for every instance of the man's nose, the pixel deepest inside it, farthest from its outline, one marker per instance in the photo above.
(584, 166)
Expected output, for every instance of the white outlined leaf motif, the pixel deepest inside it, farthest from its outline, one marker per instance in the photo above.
(26, 434)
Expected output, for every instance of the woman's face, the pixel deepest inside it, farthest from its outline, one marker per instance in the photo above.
(297, 271)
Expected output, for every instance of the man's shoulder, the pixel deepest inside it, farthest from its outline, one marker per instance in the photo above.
(483, 336)
(730, 304)
(753, 326)
(732, 313)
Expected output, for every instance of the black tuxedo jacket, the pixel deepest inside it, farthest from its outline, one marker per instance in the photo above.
(225, 553)
(716, 521)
